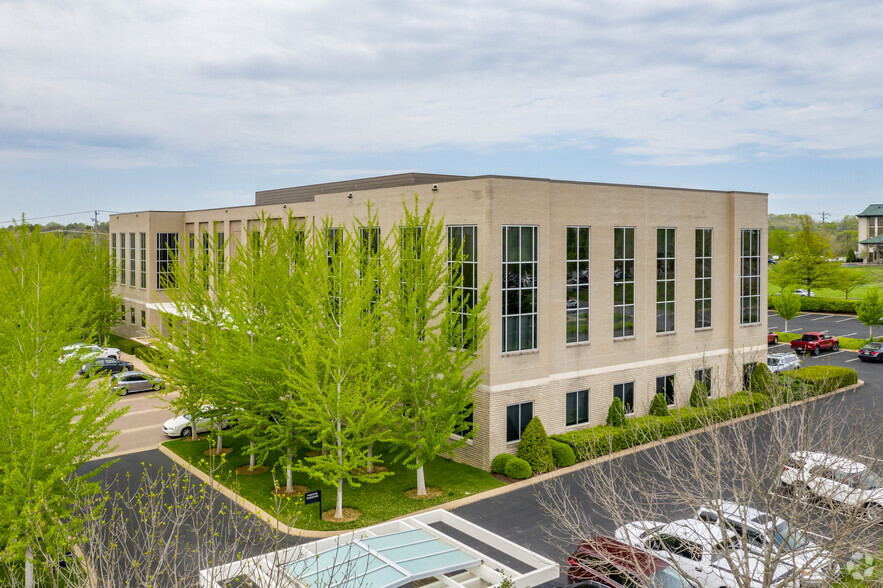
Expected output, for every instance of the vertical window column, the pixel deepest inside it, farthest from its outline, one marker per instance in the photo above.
(750, 277)
(166, 255)
(519, 288)
(463, 239)
(623, 282)
(577, 317)
(132, 260)
(703, 279)
(626, 393)
(123, 262)
(665, 280)
(143, 238)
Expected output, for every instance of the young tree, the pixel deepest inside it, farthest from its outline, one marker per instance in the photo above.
(337, 393)
(51, 422)
(848, 279)
(807, 266)
(869, 311)
(740, 462)
(433, 328)
(787, 305)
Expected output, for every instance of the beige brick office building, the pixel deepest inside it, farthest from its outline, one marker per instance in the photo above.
(597, 290)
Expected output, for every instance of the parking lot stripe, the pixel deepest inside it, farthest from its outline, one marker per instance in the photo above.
(844, 320)
(849, 335)
(822, 317)
(854, 359)
(871, 458)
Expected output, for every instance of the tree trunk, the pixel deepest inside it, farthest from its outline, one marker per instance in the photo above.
(289, 473)
(370, 460)
(193, 435)
(421, 482)
(338, 511)
(29, 567)
(220, 445)
(251, 463)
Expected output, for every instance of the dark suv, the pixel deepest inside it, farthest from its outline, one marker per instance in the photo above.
(611, 563)
(105, 365)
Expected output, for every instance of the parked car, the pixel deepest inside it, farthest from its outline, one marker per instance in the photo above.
(768, 535)
(713, 556)
(135, 381)
(614, 564)
(772, 338)
(105, 365)
(836, 479)
(804, 293)
(815, 342)
(872, 351)
(86, 351)
(181, 426)
(780, 362)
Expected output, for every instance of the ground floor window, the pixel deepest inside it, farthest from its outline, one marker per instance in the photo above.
(132, 315)
(123, 312)
(143, 318)
(747, 370)
(517, 417)
(665, 385)
(626, 393)
(577, 408)
(704, 376)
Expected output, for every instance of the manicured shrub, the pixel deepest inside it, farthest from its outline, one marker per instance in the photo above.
(562, 453)
(534, 447)
(498, 465)
(819, 304)
(518, 469)
(658, 406)
(762, 379)
(824, 378)
(616, 413)
(698, 395)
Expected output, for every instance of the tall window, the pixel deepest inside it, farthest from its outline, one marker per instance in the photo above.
(219, 238)
(132, 315)
(665, 280)
(123, 312)
(113, 247)
(132, 260)
(747, 370)
(703, 279)
(626, 393)
(143, 237)
(463, 239)
(519, 288)
(143, 318)
(623, 282)
(577, 284)
(704, 376)
(750, 277)
(577, 412)
(123, 261)
(166, 255)
(517, 417)
(665, 385)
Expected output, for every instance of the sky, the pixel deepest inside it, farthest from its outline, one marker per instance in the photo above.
(123, 106)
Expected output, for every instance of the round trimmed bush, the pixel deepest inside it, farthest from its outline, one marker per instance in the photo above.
(498, 466)
(534, 447)
(518, 469)
(562, 453)
(658, 407)
(616, 413)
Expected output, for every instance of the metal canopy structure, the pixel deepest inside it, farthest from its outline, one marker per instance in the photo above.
(389, 555)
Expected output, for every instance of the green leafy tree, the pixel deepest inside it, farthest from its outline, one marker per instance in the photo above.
(534, 447)
(848, 279)
(51, 422)
(426, 311)
(807, 266)
(779, 242)
(870, 311)
(99, 272)
(787, 305)
(342, 401)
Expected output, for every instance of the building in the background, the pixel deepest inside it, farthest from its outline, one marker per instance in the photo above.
(597, 290)
(870, 233)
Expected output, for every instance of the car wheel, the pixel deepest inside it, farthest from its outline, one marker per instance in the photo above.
(837, 346)
(156, 387)
(815, 350)
(185, 432)
(776, 340)
(786, 489)
(124, 391)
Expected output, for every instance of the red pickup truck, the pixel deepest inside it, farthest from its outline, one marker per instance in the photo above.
(814, 343)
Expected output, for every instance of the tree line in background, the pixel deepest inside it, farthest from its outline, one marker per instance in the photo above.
(840, 237)
(69, 230)
(332, 338)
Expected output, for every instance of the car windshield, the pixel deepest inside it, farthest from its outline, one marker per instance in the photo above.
(864, 479)
(872, 346)
(787, 538)
(668, 577)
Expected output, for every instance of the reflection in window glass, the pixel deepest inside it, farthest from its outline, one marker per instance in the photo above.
(665, 280)
(577, 408)
(519, 286)
(577, 322)
(703, 279)
(750, 277)
(623, 281)
(626, 393)
(517, 417)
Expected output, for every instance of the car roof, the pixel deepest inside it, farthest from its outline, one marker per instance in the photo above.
(782, 355)
(740, 512)
(705, 534)
(873, 344)
(815, 458)
(622, 554)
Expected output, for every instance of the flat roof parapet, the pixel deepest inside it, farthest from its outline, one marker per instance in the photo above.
(308, 193)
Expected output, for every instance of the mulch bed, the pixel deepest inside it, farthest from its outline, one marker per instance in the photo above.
(430, 493)
(246, 471)
(223, 451)
(297, 490)
(349, 515)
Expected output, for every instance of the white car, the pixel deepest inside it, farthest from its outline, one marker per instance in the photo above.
(770, 536)
(87, 351)
(780, 362)
(804, 293)
(836, 479)
(181, 426)
(703, 552)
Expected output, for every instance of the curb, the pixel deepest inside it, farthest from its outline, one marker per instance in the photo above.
(280, 526)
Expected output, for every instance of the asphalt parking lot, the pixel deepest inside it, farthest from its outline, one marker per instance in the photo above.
(838, 325)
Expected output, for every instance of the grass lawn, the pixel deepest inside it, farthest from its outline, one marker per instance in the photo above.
(377, 502)
(876, 273)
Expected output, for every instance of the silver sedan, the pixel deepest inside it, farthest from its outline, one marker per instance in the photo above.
(135, 381)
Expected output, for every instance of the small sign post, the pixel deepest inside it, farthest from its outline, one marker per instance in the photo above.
(314, 496)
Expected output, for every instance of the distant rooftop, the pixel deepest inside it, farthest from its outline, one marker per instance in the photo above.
(308, 193)
(872, 210)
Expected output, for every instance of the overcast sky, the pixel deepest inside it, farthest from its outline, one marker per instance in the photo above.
(122, 106)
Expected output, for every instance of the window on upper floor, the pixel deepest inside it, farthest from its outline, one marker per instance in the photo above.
(749, 299)
(577, 310)
(519, 285)
(702, 317)
(665, 280)
(623, 282)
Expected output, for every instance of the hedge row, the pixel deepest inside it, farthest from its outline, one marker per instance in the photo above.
(823, 379)
(820, 304)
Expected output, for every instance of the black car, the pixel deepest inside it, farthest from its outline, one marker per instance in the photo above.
(105, 365)
(872, 351)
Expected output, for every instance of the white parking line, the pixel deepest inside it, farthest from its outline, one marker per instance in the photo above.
(793, 330)
(871, 458)
(136, 429)
(848, 360)
(822, 317)
(844, 320)
(849, 335)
